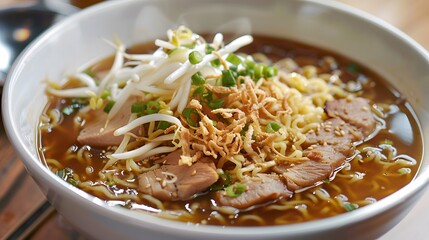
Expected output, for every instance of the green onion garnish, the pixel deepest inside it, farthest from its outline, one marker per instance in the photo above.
(349, 206)
(270, 71)
(138, 107)
(216, 103)
(67, 175)
(109, 106)
(195, 57)
(209, 49)
(198, 79)
(404, 171)
(72, 181)
(163, 125)
(215, 63)
(259, 70)
(235, 189)
(233, 59)
(224, 181)
(249, 64)
(198, 92)
(61, 173)
(191, 116)
(272, 127)
(228, 79)
(152, 107)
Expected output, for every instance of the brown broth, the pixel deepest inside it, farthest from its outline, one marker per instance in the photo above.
(401, 128)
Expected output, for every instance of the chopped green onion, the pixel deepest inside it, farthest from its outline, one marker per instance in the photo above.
(198, 79)
(235, 189)
(234, 59)
(216, 103)
(209, 49)
(152, 107)
(191, 116)
(228, 79)
(61, 173)
(199, 92)
(259, 70)
(327, 181)
(109, 106)
(195, 57)
(138, 107)
(249, 63)
(224, 181)
(72, 181)
(215, 63)
(349, 206)
(163, 125)
(67, 175)
(270, 71)
(404, 171)
(272, 127)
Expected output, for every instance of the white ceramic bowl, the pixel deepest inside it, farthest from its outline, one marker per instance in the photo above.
(326, 24)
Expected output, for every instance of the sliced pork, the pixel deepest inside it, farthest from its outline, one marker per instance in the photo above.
(259, 189)
(98, 133)
(306, 174)
(356, 112)
(178, 182)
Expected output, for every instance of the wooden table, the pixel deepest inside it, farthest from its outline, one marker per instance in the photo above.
(21, 202)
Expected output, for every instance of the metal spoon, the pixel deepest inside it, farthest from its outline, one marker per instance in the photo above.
(21, 24)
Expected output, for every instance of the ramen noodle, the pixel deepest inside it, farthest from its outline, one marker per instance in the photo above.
(250, 131)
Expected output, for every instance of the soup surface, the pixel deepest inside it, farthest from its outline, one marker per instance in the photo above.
(377, 165)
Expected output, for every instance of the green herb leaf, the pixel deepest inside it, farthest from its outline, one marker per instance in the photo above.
(235, 189)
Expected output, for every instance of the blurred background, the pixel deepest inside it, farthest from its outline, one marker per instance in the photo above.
(25, 214)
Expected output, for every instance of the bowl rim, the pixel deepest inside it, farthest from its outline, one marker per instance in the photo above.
(101, 208)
